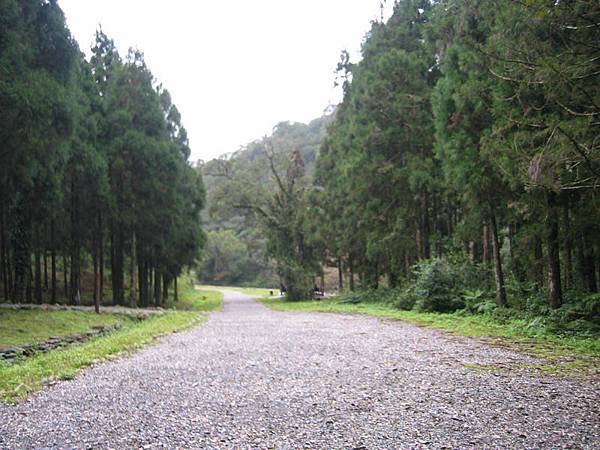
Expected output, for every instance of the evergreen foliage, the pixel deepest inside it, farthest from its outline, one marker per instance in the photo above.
(468, 128)
(94, 177)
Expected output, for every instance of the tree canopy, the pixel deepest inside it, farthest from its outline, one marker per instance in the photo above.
(94, 171)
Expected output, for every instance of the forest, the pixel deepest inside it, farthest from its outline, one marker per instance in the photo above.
(98, 203)
(444, 214)
(460, 170)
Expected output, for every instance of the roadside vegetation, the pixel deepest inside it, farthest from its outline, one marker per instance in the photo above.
(18, 327)
(29, 374)
(452, 295)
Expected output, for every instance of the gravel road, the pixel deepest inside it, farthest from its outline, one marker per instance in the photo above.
(254, 378)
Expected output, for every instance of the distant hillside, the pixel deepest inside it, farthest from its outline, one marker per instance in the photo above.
(236, 250)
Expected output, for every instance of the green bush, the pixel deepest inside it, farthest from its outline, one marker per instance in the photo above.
(405, 299)
(478, 301)
(436, 287)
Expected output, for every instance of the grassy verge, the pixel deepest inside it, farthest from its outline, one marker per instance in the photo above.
(30, 374)
(200, 300)
(561, 353)
(21, 327)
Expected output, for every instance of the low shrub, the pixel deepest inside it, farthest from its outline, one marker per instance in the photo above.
(436, 287)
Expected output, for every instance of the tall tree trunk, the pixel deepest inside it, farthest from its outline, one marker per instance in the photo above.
(75, 297)
(165, 285)
(538, 267)
(65, 276)
(392, 278)
(144, 275)
(96, 277)
(101, 256)
(426, 225)
(45, 260)
(589, 264)
(133, 272)
(21, 241)
(553, 249)
(175, 291)
(117, 264)
(473, 252)
(418, 240)
(340, 274)
(38, 275)
(113, 263)
(512, 231)
(29, 281)
(351, 272)
(3, 254)
(487, 258)
(568, 243)
(157, 292)
(499, 275)
(53, 280)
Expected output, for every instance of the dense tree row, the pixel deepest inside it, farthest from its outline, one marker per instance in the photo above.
(94, 174)
(469, 126)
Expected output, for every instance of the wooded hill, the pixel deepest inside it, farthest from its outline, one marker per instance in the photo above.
(94, 179)
(236, 251)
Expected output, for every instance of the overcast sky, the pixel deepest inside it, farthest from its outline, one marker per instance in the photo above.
(234, 68)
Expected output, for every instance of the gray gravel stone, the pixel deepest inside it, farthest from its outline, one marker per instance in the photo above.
(254, 378)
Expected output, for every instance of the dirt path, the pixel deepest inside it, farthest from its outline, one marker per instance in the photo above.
(254, 378)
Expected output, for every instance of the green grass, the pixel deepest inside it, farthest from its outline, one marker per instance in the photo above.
(200, 300)
(21, 327)
(568, 352)
(19, 379)
(27, 375)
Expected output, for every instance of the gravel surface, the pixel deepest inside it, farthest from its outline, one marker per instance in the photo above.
(255, 378)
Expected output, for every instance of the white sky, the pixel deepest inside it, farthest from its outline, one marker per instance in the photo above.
(234, 68)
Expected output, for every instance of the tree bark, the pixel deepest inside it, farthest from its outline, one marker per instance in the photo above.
(351, 273)
(143, 275)
(65, 276)
(117, 256)
(52, 264)
(538, 266)
(29, 281)
(340, 274)
(133, 272)
(426, 226)
(486, 243)
(3, 254)
(157, 291)
(96, 278)
(165, 285)
(553, 250)
(101, 256)
(75, 297)
(568, 244)
(418, 241)
(499, 275)
(175, 291)
(589, 264)
(38, 275)
(45, 260)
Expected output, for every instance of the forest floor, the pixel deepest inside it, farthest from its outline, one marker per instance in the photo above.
(256, 378)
